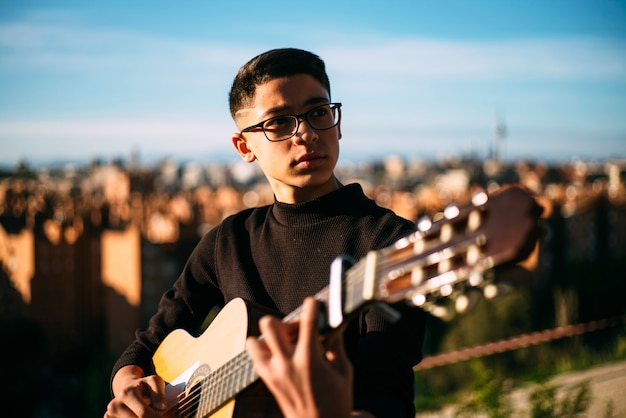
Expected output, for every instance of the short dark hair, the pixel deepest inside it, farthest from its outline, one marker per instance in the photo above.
(276, 63)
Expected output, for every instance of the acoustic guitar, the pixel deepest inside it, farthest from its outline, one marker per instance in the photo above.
(445, 257)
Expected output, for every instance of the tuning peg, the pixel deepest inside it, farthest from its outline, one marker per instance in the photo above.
(446, 290)
(467, 301)
(475, 278)
(451, 212)
(479, 199)
(417, 299)
(493, 290)
(424, 224)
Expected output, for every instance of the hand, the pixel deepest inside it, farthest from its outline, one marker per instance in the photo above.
(136, 395)
(307, 379)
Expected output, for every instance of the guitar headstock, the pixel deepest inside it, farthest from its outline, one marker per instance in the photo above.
(456, 251)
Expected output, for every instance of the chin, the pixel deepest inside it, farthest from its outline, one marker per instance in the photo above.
(317, 180)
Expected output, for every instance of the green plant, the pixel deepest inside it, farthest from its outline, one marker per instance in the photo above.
(487, 396)
(545, 403)
(610, 410)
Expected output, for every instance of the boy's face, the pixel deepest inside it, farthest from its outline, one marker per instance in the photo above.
(300, 168)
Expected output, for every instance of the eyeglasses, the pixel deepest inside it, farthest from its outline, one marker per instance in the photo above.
(281, 128)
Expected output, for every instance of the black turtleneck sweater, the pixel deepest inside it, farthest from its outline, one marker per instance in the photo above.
(277, 255)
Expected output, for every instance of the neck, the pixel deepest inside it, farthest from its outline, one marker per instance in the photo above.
(294, 194)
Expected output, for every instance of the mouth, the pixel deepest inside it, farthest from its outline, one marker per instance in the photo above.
(310, 159)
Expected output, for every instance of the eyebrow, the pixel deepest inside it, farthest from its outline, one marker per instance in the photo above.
(285, 108)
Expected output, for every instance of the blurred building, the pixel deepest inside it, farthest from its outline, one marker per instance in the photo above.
(90, 250)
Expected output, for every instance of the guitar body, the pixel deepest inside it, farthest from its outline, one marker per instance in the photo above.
(181, 355)
(183, 360)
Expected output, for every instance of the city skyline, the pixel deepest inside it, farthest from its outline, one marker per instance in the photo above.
(104, 80)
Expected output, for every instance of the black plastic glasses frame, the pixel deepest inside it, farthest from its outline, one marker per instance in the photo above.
(299, 118)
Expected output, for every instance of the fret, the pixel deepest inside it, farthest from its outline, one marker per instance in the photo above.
(246, 375)
(208, 391)
(216, 389)
(221, 390)
(245, 367)
(226, 382)
(206, 398)
(234, 379)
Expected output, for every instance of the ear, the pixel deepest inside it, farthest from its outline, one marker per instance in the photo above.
(339, 129)
(241, 145)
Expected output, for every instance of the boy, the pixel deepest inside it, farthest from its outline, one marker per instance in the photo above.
(280, 254)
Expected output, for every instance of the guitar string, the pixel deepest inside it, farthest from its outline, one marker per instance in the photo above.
(215, 380)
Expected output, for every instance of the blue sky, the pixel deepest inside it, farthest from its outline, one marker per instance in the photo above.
(424, 79)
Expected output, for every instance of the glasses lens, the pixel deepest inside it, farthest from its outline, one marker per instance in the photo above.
(323, 117)
(284, 127)
(280, 127)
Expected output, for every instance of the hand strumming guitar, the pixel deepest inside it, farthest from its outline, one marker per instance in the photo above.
(136, 395)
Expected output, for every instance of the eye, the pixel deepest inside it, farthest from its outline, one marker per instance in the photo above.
(278, 122)
(319, 112)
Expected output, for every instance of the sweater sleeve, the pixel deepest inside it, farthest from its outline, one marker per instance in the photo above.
(184, 306)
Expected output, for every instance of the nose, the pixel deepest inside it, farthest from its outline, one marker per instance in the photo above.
(304, 133)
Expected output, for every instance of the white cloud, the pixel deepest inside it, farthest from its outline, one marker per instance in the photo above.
(553, 58)
(89, 138)
(67, 43)
(157, 130)
(77, 47)
(446, 73)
